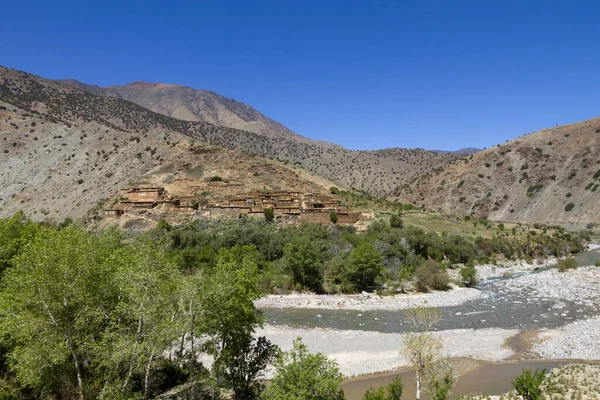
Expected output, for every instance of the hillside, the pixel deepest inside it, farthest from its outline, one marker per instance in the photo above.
(375, 172)
(549, 176)
(64, 152)
(188, 104)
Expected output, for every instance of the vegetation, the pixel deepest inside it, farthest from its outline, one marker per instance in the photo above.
(393, 391)
(567, 263)
(529, 385)
(468, 275)
(422, 350)
(301, 375)
(103, 316)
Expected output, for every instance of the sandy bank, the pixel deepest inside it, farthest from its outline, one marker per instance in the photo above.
(363, 352)
(369, 301)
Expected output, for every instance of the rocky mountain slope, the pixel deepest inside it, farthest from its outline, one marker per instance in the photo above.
(375, 172)
(64, 152)
(188, 104)
(549, 176)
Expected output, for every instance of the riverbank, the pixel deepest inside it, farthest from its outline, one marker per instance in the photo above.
(580, 339)
(364, 352)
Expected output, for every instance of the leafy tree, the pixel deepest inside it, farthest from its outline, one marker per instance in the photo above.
(245, 362)
(393, 391)
(423, 352)
(334, 190)
(55, 303)
(145, 318)
(468, 275)
(365, 265)
(15, 233)
(529, 385)
(304, 258)
(300, 375)
(333, 217)
(269, 214)
(396, 221)
(230, 318)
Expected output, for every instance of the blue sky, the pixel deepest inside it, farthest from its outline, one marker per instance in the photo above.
(365, 74)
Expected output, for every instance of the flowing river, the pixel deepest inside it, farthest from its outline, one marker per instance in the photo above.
(502, 305)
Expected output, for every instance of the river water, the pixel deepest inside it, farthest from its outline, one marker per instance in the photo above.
(502, 306)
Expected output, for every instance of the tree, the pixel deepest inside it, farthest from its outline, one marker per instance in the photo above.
(529, 385)
(145, 320)
(300, 375)
(365, 265)
(334, 190)
(333, 217)
(230, 318)
(468, 275)
(303, 257)
(396, 221)
(269, 214)
(393, 391)
(423, 351)
(55, 303)
(431, 275)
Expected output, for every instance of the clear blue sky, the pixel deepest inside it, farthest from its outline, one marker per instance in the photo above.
(365, 74)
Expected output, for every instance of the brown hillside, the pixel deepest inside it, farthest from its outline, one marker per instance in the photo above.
(533, 178)
(375, 172)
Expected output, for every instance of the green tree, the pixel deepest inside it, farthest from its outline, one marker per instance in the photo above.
(15, 233)
(304, 258)
(393, 391)
(54, 305)
(145, 321)
(334, 190)
(333, 217)
(230, 318)
(468, 275)
(269, 214)
(423, 351)
(300, 375)
(365, 265)
(396, 221)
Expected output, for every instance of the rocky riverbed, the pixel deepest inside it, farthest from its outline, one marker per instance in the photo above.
(363, 352)
(580, 339)
(370, 301)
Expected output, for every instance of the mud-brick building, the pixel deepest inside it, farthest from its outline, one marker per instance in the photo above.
(141, 194)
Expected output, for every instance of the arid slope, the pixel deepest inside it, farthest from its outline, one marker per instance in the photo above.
(549, 176)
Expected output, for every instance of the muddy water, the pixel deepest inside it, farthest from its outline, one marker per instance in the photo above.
(483, 379)
(501, 307)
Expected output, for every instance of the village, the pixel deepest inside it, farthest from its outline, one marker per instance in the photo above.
(289, 206)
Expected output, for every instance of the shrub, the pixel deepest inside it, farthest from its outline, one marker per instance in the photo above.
(334, 190)
(597, 263)
(468, 275)
(333, 217)
(569, 207)
(269, 214)
(529, 385)
(431, 275)
(216, 178)
(396, 221)
(567, 263)
(79, 181)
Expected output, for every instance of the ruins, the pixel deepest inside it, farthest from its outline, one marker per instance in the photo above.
(287, 205)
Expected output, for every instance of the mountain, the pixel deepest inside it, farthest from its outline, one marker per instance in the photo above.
(188, 104)
(64, 150)
(465, 151)
(549, 176)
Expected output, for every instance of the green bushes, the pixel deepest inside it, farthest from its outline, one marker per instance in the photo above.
(567, 263)
(431, 275)
(569, 207)
(468, 275)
